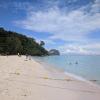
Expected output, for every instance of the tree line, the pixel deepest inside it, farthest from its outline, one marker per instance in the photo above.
(12, 43)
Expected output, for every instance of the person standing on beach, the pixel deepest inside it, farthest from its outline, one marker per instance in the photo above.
(26, 56)
(30, 57)
(18, 54)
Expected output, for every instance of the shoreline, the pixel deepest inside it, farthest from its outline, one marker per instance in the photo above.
(28, 80)
(66, 73)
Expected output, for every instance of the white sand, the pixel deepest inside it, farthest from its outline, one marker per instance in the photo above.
(29, 80)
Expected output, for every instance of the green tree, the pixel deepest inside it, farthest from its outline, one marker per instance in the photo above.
(42, 43)
(13, 43)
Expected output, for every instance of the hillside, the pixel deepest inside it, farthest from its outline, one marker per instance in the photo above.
(12, 43)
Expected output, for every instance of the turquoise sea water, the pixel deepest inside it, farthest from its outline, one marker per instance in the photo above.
(87, 67)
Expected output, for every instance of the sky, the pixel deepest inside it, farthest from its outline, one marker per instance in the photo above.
(71, 26)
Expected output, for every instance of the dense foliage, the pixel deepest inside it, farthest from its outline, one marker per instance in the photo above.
(14, 43)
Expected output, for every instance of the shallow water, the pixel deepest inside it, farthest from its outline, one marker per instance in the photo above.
(85, 66)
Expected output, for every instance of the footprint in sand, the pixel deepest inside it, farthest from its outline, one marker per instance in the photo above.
(24, 95)
(25, 92)
(4, 91)
(17, 73)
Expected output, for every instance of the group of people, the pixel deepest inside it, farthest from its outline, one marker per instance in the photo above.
(28, 57)
(75, 63)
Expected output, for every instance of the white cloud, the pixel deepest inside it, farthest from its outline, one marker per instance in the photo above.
(17, 6)
(93, 48)
(96, 6)
(47, 41)
(70, 1)
(73, 26)
(21, 5)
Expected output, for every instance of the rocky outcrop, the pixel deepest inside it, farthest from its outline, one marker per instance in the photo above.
(54, 52)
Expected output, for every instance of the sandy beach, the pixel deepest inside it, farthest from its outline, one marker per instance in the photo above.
(30, 80)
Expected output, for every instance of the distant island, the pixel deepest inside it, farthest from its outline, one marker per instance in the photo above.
(12, 43)
(54, 52)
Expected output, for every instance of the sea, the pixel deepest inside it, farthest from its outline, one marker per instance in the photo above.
(85, 67)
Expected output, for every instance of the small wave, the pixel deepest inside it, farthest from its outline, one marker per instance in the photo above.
(81, 79)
